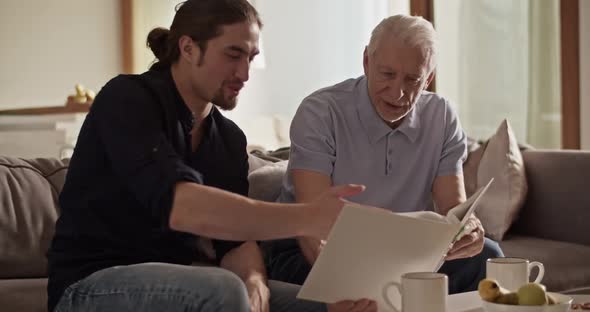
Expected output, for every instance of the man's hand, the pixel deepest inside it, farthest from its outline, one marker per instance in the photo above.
(363, 305)
(258, 293)
(323, 211)
(246, 261)
(469, 245)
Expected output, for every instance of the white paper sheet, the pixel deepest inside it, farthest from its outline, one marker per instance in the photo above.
(369, 247)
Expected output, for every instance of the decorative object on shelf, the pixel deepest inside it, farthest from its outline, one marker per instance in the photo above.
(45, 131)
(83, 95)
(78, 103)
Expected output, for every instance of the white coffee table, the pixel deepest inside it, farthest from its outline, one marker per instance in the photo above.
(470, 302)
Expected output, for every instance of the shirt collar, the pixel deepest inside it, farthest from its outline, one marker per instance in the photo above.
(374, 126)
(186, 117)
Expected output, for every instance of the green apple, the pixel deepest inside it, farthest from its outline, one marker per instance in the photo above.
(532, 294)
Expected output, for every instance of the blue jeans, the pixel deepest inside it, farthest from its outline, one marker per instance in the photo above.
(168, 287)
(285, 262)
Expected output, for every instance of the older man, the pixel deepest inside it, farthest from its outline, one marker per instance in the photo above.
(386, 131)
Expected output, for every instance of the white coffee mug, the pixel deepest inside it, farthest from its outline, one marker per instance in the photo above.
(420, 291)
(511, 273)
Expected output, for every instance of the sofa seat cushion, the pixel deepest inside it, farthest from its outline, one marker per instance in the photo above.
(566, 264)
(29, 192)
(23, 294)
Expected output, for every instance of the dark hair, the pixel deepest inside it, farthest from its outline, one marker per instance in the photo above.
(201, 20)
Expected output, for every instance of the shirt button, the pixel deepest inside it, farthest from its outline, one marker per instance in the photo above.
(155, 149)
(389, 152)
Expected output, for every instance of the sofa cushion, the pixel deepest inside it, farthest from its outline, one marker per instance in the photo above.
(558, 204)
(28, 210)
(470, 166)
(23, 295)
(255, 162)
(265, 182)
(566, 264)
(502, 161)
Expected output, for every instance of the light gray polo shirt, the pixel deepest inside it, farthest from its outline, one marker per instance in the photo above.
(337, 132)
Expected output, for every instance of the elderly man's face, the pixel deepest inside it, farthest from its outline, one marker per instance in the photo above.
(396, 75)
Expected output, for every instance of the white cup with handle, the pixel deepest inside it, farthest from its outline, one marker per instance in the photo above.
(511, 273)
(420, 291)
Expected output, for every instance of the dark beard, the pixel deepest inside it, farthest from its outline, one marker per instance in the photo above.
(226, 105)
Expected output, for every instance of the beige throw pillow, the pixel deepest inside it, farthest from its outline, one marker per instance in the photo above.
(471, 165)
(502, 161)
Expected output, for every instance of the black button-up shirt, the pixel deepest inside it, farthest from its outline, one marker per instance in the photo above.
(133, 147)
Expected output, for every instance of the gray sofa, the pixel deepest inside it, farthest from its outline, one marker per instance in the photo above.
(552, 227)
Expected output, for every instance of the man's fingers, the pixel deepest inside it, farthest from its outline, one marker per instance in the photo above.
(469, 246)
(344, 305)
(362, 305)
(347, 190)
(359, 305)
(462, 243)
(372, 307)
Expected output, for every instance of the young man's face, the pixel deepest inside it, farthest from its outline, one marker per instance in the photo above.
(219, 74)
(396, 75)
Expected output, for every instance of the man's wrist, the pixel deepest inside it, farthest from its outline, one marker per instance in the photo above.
(300, 219)
(255, 277)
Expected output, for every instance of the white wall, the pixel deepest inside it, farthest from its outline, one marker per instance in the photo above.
(308, 44)
(49, 46)
(585, 73)
(147, 15)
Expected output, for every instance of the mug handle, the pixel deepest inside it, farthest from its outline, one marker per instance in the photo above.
(386, 296)
(541, 268)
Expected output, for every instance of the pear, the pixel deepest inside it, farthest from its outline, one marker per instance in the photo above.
(510, 298)
(532, 294)
(490, 290)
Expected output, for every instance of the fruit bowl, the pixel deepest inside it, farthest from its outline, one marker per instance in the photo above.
(562, 304)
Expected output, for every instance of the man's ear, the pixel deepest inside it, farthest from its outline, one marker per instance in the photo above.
(189, 51)
(429, 80)
(366, 61)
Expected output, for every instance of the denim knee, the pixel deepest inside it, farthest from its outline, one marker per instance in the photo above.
(491, 249)
(230, 292)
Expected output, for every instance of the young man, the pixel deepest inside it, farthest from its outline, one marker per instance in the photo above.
(157, 169)
(386, 131)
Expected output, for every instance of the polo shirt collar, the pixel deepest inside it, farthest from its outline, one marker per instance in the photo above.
(375, 127)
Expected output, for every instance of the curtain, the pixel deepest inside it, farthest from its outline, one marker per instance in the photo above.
(544, 110)
(500, 59)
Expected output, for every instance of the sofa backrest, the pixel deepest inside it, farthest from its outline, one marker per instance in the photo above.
(29, 192)
(558, 200)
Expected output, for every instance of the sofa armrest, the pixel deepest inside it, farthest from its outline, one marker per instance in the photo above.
(557, 206)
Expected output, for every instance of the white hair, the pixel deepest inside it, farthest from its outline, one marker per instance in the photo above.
(412, 31)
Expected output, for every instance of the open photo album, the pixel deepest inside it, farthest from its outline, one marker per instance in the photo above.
(370, 247)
